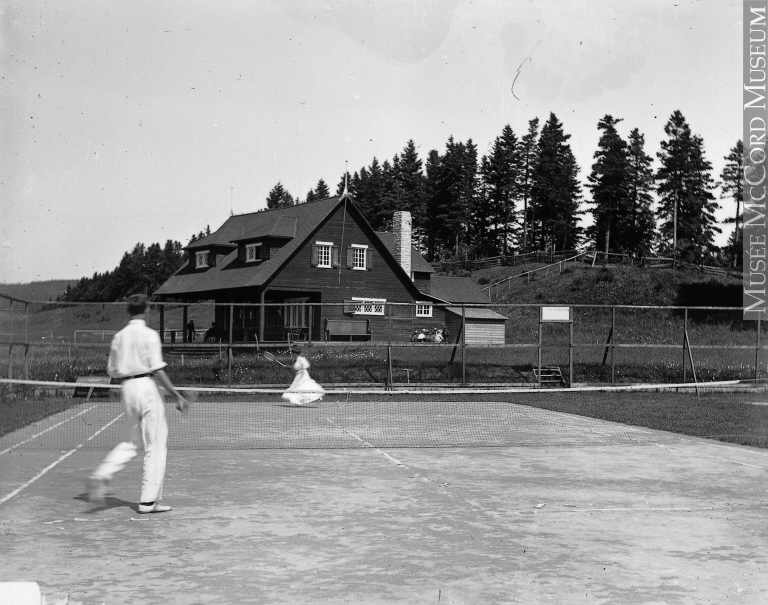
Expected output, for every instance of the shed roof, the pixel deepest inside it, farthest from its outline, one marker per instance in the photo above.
(457, 290)
(475, 313)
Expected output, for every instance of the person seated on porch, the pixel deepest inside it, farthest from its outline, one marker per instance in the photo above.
(437, 336)
(422, 336)
(212, 333)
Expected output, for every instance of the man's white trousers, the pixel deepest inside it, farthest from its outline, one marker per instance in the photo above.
(145, 425)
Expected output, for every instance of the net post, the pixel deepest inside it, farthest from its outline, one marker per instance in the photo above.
(693, 368)
(389, 380)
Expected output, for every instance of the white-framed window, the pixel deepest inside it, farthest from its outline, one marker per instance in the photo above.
(324, 254)
(252, 252)
(201, 259)
(423, 309)
(359, 256)
(369, 306)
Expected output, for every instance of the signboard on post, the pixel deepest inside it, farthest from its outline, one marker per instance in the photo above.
(553, 314)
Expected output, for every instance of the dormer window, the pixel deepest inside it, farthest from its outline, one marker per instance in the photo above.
(201, 260)
(252, 252)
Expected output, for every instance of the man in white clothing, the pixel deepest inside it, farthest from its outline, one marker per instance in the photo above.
(136, 359)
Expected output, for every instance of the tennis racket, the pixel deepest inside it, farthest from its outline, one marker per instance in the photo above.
(269, 357)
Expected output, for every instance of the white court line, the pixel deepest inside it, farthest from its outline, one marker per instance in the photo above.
(61, 458)
(5, 451)
(366, 444)
(713, 457)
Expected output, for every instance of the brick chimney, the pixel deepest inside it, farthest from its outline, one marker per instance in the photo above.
(401, 231)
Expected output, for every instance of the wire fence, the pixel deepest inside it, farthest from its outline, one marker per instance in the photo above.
(394, 344)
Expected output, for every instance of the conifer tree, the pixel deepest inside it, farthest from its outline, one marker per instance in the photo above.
(528, 154)
(733, 186)
(279, 198)
(609, 184)
(409, 187)
(640, 233)
(555, 190)
(684, 186)
(500, 172)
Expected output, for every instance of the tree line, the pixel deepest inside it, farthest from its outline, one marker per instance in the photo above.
(525, 195)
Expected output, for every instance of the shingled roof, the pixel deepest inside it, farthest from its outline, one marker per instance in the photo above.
(300, 221)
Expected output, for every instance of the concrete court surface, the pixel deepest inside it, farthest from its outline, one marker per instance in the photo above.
(682, 522)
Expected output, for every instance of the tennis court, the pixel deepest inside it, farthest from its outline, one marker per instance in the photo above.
(411, 498)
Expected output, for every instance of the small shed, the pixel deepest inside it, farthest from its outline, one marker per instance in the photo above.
(483, 325)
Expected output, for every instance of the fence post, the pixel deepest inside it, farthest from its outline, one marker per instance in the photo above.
(613, 338)
(463, 345)
(229, 345)
(539, 350)
(685, 342)
(570, 354)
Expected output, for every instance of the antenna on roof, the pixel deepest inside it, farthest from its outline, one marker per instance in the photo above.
(345, 193)
(231, 191)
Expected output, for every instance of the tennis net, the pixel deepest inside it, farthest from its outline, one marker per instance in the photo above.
(41, 415)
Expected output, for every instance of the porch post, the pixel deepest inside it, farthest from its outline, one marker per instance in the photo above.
(262, 309)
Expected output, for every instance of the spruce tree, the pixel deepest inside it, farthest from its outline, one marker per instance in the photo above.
(528, 155)
(684, 185)
(321, 190)
(555, 190)
(410, 188)
(500, 172)
(733, 187)
(609, 184)
(640, 233)
(279, 198)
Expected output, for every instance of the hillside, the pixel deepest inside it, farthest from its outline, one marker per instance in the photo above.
(623, 285)
(38, 290)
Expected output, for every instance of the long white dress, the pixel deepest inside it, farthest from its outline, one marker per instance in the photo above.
(303, 389)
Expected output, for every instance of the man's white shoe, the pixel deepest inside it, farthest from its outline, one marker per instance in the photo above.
(154, 508)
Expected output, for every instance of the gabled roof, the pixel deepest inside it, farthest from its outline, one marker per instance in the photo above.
(418, 262)
(304, 219)
(457, 290)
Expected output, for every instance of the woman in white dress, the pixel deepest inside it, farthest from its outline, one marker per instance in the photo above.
(303, 389)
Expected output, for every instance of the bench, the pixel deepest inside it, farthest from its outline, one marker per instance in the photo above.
(358, 329)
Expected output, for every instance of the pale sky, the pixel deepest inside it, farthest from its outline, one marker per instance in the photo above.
(128, 122)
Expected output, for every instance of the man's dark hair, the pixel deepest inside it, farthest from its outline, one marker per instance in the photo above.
(137, 304)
